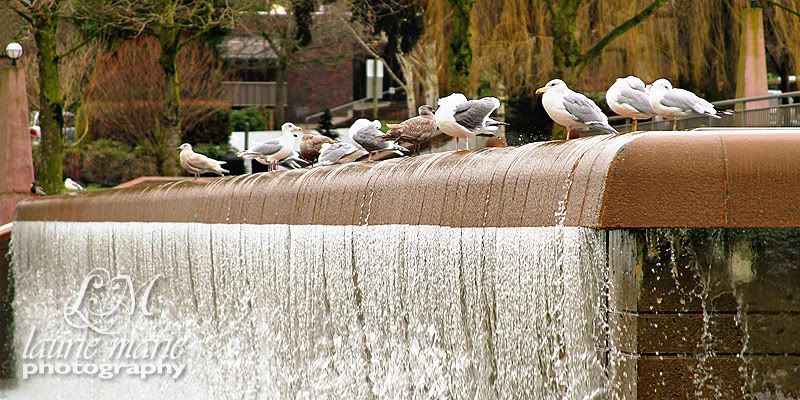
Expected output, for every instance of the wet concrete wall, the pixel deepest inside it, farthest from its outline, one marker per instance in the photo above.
(702, 309)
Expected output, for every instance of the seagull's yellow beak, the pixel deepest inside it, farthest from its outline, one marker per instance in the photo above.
(297, 128)
(541, 90)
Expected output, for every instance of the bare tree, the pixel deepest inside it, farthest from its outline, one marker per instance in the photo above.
(125, 97)
(174, 23)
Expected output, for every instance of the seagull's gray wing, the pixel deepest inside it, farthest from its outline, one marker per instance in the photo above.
(470, 114)
(267, 148)
(336, 152)
(370, 139)
(681, 99)
(636, 99)
(201, 162)
(583, 109)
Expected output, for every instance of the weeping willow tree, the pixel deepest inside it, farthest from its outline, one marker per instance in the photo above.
(517, 45)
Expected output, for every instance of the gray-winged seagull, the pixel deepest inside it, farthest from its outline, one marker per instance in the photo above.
(572, 110)
(673, 103)
(368, 135)
(627, 97)
(196, 163)
(461, 118)
(339, 153)
(274, 151)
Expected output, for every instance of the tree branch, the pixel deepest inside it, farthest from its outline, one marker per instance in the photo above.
(784, 8)
(78, 46)
(374, 54)
(595, 51)
(21, 13)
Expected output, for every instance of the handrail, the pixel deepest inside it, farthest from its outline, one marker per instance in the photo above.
(391, 90)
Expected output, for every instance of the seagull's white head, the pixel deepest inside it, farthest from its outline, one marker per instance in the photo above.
(452, 101)
(634, 82)
(555, 85)
(290, 129)
(185, 146)
(660, 86)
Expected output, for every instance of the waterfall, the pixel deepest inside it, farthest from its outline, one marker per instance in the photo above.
(311, 311)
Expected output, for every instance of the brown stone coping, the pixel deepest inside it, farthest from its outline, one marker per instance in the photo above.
(656, 179)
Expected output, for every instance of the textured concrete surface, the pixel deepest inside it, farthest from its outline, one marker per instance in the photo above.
(655, 179)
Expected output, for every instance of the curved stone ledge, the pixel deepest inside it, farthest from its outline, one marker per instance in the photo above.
(711, 178)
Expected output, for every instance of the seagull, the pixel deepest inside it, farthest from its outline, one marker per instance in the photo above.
(673, 103)
(72, 186)
(38, 190)
(339, 153)
(196, 163)
(414, 131)
(572, 110)
(460, 118)
(628, 98)
(368, 135)
(310, 146)
(273, 151)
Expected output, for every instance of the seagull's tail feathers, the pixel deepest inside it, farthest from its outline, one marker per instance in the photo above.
(603, 126)
(721, 111)
(491, 122)
(247, 154)
(395, 146)
(221, 171)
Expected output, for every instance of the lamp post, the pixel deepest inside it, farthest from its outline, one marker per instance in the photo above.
(14, 51)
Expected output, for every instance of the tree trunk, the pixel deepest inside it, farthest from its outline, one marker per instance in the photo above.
(565, 47)
(169, 38)
(407, 66)
(460, 51)
(51, 117)
(280, 95)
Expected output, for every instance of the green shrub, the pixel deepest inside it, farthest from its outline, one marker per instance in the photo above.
(253, 115)
(215, 151)
(73, 161)
(216, 129)
(109, 163)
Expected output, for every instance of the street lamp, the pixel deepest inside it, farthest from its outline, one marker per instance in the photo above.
(14, 51)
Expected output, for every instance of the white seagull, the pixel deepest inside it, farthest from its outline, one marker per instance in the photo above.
(196, 163)
(72, 186)
(368, 135)
(673, 103)
(339, 153)
(571, 109)
(274, 151)
(462, 118)
(627, 97)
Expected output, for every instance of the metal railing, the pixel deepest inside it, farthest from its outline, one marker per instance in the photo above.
(775, 115)
(346, 109)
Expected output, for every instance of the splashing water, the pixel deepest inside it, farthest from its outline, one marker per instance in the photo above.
(282, 311)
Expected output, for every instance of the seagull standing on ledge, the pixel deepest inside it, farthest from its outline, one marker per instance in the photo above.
(414, 131)
(673, 103)
(627, 97)
(273, 151)
(369, 136)
(196, 163)
(462, 118)
(572, 110)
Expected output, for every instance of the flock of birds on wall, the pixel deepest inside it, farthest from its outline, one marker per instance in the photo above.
(461, 118)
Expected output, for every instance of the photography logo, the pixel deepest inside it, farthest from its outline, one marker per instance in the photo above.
(104, 310)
